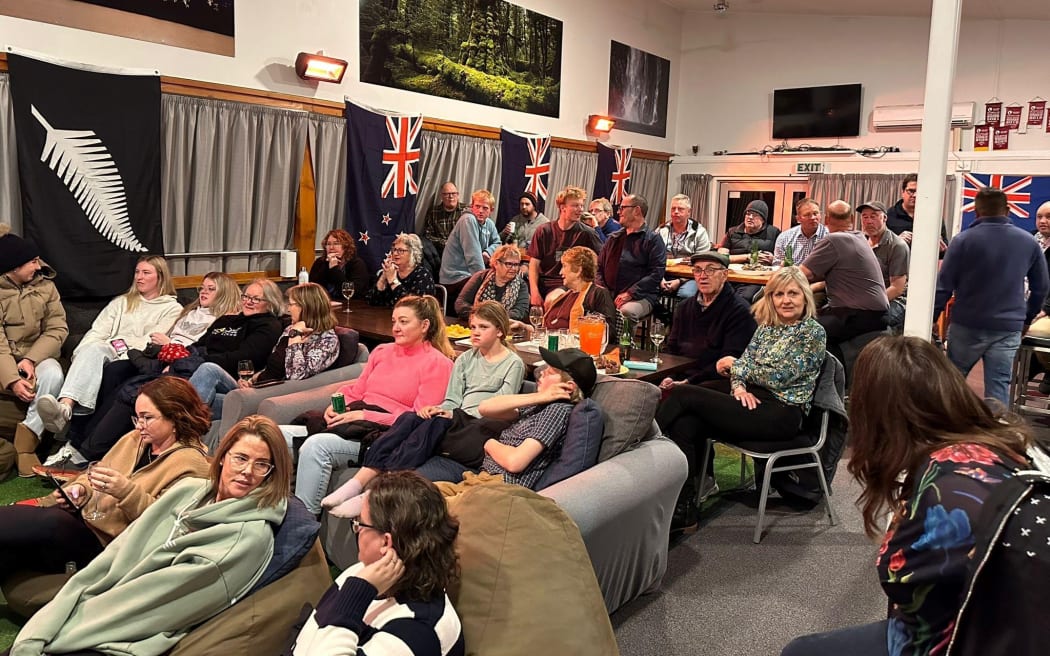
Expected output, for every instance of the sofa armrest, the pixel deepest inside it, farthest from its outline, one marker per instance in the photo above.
(283, 409)
(240, 403)
(623, 507)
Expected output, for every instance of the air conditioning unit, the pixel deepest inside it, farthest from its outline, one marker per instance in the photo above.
(909, 117)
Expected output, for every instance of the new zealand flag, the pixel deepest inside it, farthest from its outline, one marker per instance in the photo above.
(89, 168)
(526, 167)
(1024, 195)
(613, 180)
(382, 164)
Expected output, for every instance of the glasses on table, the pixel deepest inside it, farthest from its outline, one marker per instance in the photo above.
(241, 462)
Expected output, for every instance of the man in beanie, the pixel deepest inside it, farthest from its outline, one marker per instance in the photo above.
(753, 230)
(521, 228)
(34, 327)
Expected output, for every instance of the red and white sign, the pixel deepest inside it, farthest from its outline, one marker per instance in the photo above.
(982, 136)
(1000, 138)
(1036, 112)
(1013, 117)
(993, 113)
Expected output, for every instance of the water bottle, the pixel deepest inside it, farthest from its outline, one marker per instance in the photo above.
(304, 276)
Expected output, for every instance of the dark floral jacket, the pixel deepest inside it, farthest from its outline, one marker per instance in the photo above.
(924, 557)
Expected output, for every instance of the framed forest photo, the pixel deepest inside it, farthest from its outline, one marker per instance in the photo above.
(638, 86)
(488, 52)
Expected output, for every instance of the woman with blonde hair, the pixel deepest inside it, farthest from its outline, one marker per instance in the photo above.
(766, 393)
(148, 306)
(489, 368)
(502, 282)
(404, 376)
(403, 273)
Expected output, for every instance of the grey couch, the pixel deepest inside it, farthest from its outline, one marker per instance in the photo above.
(622, 505)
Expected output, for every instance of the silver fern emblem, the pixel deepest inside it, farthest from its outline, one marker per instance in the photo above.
(85, 166)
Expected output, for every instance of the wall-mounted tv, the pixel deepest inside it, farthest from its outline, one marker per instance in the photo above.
(809, 112)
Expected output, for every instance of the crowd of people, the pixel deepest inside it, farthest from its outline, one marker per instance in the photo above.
(141, 492)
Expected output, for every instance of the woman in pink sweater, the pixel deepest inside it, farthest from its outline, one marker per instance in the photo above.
(405, 376)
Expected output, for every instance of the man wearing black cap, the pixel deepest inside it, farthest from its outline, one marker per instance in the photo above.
(521, 228)
(893, 256)
(33, 329)
(713, 324)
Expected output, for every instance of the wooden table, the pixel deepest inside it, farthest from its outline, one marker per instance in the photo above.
(736, 274)
(373, 324)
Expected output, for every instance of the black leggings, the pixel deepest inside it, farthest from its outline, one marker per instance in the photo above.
(43, 540)
(692, 414)
(93, 435)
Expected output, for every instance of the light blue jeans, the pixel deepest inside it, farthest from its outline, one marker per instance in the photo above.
(995, 348)
(211, 379)
(85, 375)
(687, 289)
(48, 381)
(319, 456)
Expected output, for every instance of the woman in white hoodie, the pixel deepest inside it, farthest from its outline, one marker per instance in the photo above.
(148, 306)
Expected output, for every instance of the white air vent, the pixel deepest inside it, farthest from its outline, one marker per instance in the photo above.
(909, 117)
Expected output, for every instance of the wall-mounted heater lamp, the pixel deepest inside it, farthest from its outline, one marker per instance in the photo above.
(599, 123)
(321, 68)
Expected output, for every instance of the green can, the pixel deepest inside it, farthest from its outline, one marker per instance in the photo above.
(552, 340)
(339, 402)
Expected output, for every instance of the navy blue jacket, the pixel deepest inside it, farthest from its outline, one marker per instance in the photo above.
(641, 264)
(724, 328)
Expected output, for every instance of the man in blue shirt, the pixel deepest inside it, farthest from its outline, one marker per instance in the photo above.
(986, 267)
(602, 210)
(470, 244)
(632, 261)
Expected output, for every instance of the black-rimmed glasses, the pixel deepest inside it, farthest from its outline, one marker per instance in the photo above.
(509, 265)
(252, 299)
(707, 271)
(356, 525)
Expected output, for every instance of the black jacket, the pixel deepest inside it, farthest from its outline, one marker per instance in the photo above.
(725, 328)
(236, 337)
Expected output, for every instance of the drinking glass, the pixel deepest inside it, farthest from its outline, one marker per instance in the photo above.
(536, 316)
(657, 334)
(91, 511)
(245, 369)
(348, 293)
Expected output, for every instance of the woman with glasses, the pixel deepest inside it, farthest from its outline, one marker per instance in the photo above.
(339, 264)
(394, 600)
(193, 553)
(305, 348)
(501, 283)
(403, 273)
(217, 296)
(580, 295)
(44, 534)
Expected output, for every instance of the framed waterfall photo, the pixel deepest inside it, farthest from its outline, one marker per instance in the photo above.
(638, 87)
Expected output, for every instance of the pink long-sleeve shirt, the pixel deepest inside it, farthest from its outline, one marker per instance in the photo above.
(401, 380)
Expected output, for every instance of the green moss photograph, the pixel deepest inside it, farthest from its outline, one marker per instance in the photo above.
(488, 52)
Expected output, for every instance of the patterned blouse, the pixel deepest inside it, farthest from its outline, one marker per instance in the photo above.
(418, 283)
(924, 558)
(783, 359)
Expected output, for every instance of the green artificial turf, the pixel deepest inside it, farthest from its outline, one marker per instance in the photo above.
(11, 490)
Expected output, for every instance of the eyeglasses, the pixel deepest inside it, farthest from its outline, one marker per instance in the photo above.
(753, 215)
(252, 299)
(707, 271)
(449, 194)
(399, 251)
(332, 243)
(510, 265)
(911, 192)
(241, 462)
(627, 207)
(210, 290)
(142, 422)
(356, 525)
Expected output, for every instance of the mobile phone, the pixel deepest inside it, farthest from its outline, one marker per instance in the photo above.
(62, 492)
(268, 383)
(119, 345)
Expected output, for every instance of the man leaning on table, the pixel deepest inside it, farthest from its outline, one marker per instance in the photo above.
(683, 237)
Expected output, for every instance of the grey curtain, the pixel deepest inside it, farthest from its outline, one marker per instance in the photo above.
(698, 187)
(229, 181)
(857, 188)
(649, 178)
(470, 162)
(569, 167)
(328, 146)
(10, 196)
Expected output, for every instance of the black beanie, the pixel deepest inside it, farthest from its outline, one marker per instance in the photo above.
(531, 197)
(14, 251)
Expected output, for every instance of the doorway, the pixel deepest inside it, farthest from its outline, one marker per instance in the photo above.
(779, 195)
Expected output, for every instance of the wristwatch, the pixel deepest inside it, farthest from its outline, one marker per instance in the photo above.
(294, 333)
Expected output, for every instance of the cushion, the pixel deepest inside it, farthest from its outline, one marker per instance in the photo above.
(348, 341)
(628, 407)
(292, 539)
(579, 449)
(26, 592)
(509, 600)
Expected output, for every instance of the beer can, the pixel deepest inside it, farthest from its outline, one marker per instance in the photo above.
(552, 340)
(339, 402)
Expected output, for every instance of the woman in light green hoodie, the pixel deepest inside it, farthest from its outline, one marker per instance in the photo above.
(193, 553)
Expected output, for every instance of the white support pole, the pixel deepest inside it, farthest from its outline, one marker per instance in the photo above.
(933, 159)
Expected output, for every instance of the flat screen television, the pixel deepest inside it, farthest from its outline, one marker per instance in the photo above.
(832, 111)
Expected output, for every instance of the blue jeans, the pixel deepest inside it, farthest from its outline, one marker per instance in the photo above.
(319, 456)
(687, 289)
(863, 640)
(995, 348)
(211, 379)
(440, 468)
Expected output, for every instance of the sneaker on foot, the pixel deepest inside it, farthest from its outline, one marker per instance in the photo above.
(709, 488)
(58, 456)
(64, 472)
(53, 412)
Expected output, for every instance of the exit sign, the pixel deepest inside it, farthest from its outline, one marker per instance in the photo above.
(806, 168)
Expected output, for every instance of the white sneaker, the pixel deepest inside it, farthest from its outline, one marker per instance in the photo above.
(58, 456)
(53, 413)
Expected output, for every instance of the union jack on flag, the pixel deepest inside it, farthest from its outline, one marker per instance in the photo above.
(402, 155)
(539, 167)
(621, 176)
(613, 179)
(1024, 193)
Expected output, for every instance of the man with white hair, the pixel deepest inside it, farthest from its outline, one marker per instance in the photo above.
(893, 256)
(683, 238)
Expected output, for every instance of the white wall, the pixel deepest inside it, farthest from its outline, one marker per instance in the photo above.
(269, 33)
(731, 64)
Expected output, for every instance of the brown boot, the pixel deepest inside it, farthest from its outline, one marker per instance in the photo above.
(7, 458)
(26, 442)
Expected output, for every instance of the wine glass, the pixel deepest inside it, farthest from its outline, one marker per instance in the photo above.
(657, 334)
(245, 370)
(348, 292)
(92, 511)
(536, 319)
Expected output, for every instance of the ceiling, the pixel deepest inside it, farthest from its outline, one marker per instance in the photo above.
(993, 9)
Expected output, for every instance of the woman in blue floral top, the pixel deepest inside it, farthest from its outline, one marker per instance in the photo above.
(767, 393)
(911, 411)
